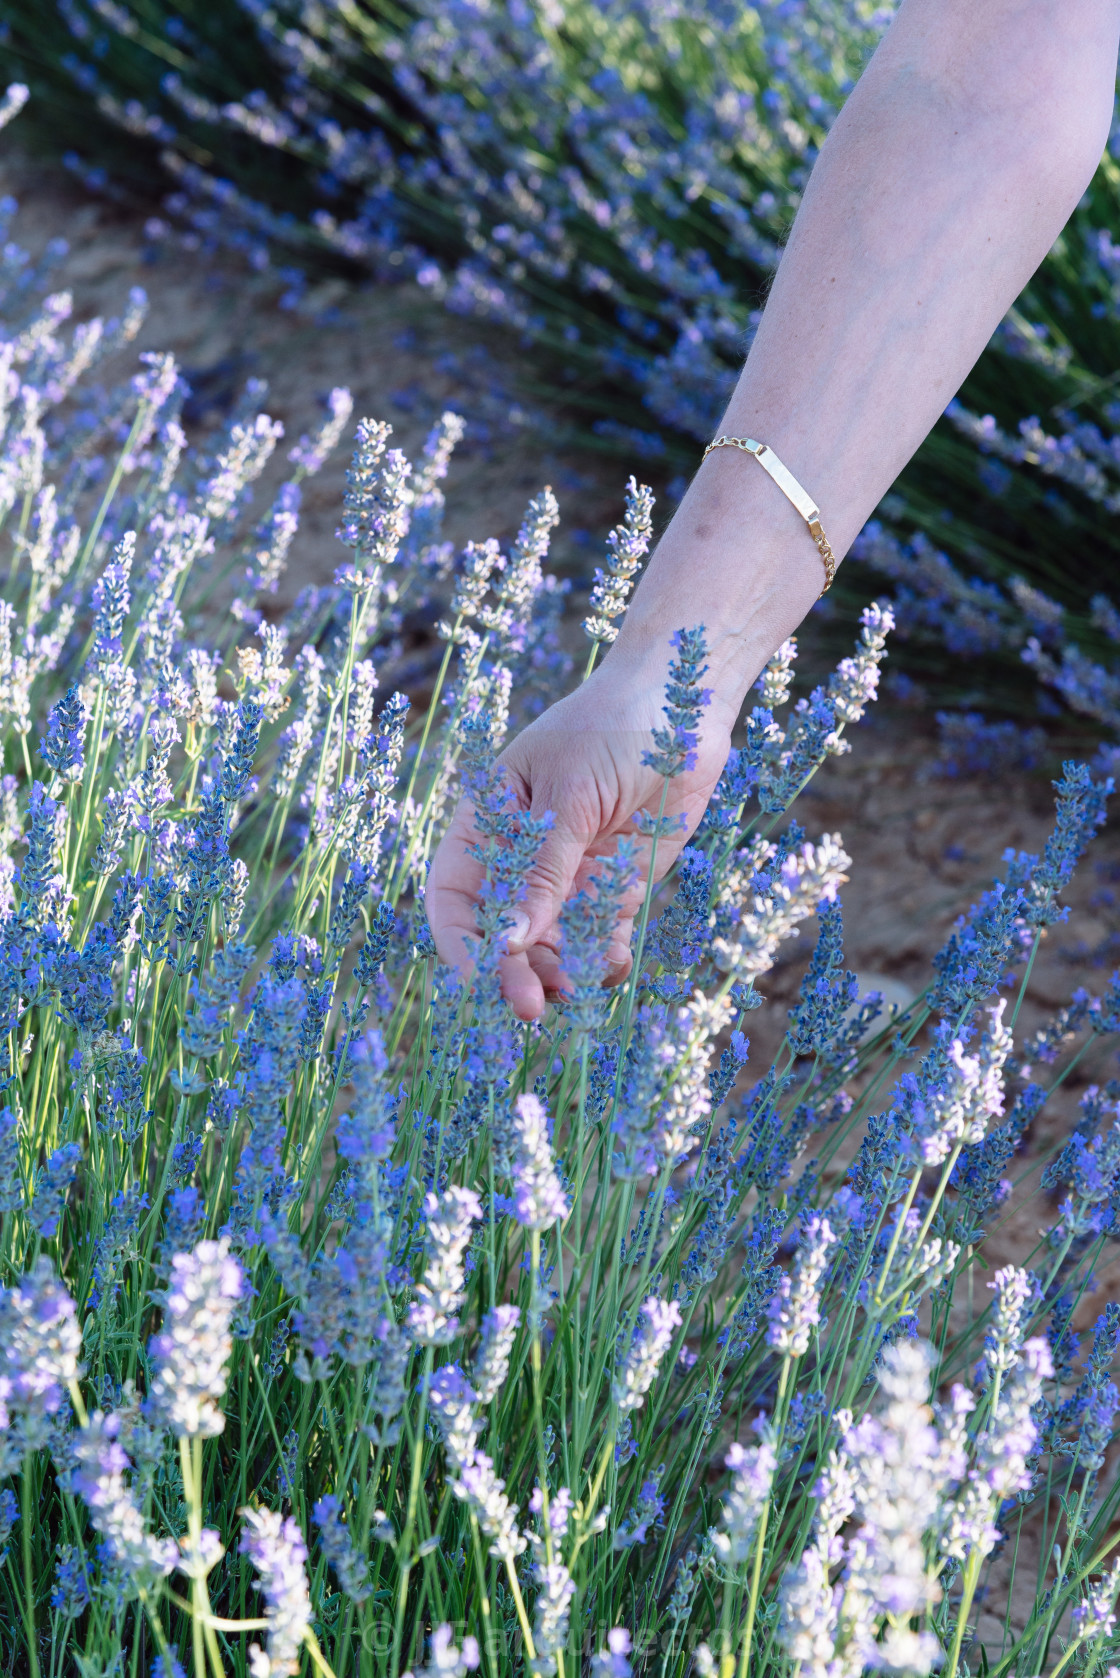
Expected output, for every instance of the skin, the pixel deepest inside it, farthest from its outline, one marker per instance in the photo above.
(955, 163)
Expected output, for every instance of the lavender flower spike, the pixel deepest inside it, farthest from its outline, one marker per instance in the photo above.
(98, 1476)
(445, 1660)
(275, 1546)
(40, 1339)
(752, 1470)
(658, 1320)
(539, 1201)
(685, 699)
(1095, 1617)
(431, 1316)
(191, 1353)
(795, 1309)
(498, 1330)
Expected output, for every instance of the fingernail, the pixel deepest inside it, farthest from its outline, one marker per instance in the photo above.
(618, 953)
(517, 932)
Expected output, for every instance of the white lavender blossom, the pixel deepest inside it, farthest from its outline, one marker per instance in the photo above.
(497, 1333)
(275, 1546)
(1003, 1453)
(191, 1353)
(892, 1473)
(658, 1321)
(795, 1309)
(538, 1199)
(766, 905)
(15, 98)
(627, 545)
(431, 1317)
(552, 1611)
(1014, 1290)
(478, 1486)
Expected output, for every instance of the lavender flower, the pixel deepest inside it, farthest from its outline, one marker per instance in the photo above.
(338, 1547)
(1094, 1617)
(98, 1477)
(431, 1318)
(648, 1512)
(40, 1340)
(552, 1612)
(15, 98)
(752, 1470)
(275, 1546)
(612, 1661)
(51, 1188)
(539, 1201)
(63, 749)
(1003, 1452)
(658, 1321)
(795, 1309)
(191, 1353)
(685, 700)
(478, 1486)
(445, 1659)
(311, 453)
(627, 545)
(498, 1330)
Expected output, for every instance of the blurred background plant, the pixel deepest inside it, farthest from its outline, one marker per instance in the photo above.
(612, 181)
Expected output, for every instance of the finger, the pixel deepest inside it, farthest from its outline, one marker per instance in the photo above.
(619, 958)
(452, 892)
(550, 883)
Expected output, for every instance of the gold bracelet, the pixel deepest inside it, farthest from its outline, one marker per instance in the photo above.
(792, 490)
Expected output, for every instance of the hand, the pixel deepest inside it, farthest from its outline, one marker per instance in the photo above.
(581, 760)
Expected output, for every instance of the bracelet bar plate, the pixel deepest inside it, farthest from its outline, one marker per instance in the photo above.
(788, 484)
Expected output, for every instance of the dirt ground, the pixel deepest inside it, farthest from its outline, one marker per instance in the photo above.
(923, 848)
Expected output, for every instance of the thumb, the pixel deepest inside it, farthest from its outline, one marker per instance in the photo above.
(535, 921)
(547, 888)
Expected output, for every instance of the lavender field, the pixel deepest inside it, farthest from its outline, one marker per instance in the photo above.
(756, 1316)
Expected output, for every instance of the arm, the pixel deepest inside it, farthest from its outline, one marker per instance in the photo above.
(950, 171)
(952, 168)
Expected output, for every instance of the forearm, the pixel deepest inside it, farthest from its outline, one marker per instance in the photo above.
(952, 168)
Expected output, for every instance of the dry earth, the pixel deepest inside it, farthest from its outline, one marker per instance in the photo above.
(923, 848)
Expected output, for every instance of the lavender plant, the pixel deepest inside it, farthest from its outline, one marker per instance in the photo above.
(348, 1325)
(613, 181)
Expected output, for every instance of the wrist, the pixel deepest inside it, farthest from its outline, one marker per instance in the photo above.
(737, 558)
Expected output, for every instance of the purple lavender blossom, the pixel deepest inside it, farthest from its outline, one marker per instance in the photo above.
(98, 1476)
(40, 1341)
(685, 700)
(446, 1659)
(63, 749)
(612, 1661)
(337, 1545)
(752, 1475)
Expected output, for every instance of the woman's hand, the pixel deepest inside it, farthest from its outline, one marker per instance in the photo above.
(581, 760)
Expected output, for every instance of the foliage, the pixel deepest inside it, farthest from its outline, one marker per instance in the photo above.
(348, 1324)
